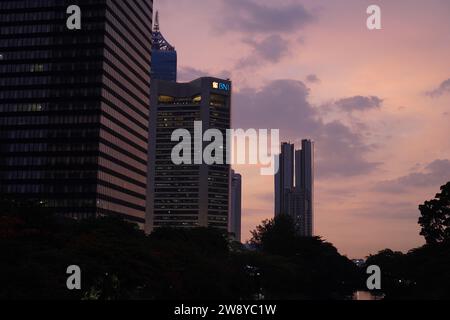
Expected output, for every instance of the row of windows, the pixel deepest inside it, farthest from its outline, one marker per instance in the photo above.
(46, 120)
(187, 124)
(176, 212)
(177, 185)
(175, 224)
(42, 28)
(22, 55)
(223, 219)
(48, 161)
(169, 100)
(176, 178)
(40, 107)
(55, 67)
(51, 54)
(189, 196)
(23, 107)
(45, 15)
(48, 93)
(21, 68)
(16, 30)
(175, 218)
(182, 207)
(42, 175)
(28, 4)
(31, 16)
(44, 147)
(50, 41)
(180, 112)
(72, 203)
(176, 201)
(177, 117)
(49, 134)
(48, 188)
(45, 80)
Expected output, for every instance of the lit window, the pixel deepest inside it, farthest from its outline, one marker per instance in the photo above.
(166, 99)
(197, 99)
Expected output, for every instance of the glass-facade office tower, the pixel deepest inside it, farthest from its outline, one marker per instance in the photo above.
(187, 195)
(284, 178)
(164, 56)
(236, 205)
(304, 185)
(296, 201)
(74, 105)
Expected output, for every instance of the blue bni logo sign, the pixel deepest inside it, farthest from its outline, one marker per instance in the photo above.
(221, 86)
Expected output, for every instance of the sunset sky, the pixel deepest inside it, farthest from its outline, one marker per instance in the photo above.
(377, 103)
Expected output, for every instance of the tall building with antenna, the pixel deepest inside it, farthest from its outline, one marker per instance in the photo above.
(164, 56)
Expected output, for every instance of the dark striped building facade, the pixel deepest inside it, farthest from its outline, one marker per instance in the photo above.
(74, 106)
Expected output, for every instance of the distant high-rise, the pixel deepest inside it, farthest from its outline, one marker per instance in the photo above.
(284, 178)
(296, 201)
(187, 195)
(74, 106)
(304, 184)
(164, 56)
(236, 205)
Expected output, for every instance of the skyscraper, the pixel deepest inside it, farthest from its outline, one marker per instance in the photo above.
(296, 201)
(304, 184)
(74, 106)
(236, 205)
(164, 56)
(284, 178)
(187, 195)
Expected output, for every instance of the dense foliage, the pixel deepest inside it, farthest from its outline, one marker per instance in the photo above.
(435, 217)
(118, 261)
(422, 273)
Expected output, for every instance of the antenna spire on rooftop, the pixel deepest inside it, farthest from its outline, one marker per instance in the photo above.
(156, 26)
(158, 41)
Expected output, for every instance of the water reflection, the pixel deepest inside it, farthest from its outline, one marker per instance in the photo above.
(366, 296)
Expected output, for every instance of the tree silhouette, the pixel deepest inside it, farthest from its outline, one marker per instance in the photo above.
(275, 236)
(435, 217)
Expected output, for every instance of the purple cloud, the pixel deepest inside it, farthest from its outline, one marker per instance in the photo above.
(359, 103)
(269, 50)
(284, 105)
(444, 88)
(186, 74)
(251, 16)
(435, 174)
(312, 78)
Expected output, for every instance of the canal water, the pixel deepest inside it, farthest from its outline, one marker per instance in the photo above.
(366, 296)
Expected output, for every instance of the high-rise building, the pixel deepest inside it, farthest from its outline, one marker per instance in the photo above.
(296, 201)
(236, 205)
(304, 185)
(284, 178)
(74, 106)
(187, 195)
(164, 56)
